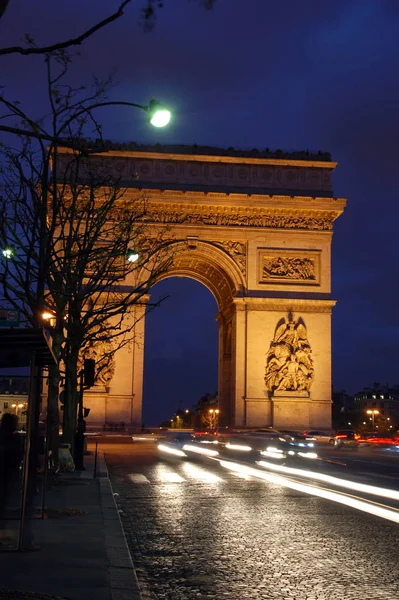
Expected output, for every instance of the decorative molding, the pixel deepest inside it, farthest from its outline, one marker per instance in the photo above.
(285, 305)
(289, 266)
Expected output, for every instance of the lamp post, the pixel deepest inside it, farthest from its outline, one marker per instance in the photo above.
(158, 115)
(213, 417)
(373, 412)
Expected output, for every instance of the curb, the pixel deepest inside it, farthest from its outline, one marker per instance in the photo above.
(123, 579)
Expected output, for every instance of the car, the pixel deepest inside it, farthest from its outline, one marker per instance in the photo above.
(346, 437)
(319, 436)
(297, 436)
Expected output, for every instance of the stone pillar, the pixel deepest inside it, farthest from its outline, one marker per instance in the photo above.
(254, 329)
(226, 414)
(138, 367)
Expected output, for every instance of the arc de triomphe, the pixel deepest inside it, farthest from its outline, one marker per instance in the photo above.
(257, 233)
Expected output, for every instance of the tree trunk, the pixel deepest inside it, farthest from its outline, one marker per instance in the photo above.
(53, 421)
(71, 399)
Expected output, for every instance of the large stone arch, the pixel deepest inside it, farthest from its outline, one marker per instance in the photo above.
(209, 264)
(256, 230)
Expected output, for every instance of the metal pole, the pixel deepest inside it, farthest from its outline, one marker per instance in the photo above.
(95, 461)
(30, 428)
(46, 458)
(79, 437)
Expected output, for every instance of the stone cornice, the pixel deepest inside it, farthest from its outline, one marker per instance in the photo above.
(285, 305)
(160, 196)
(244, 160)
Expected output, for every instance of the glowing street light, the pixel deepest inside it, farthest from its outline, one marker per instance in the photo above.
(132, 255)
(8, 253)
(372, 412)
(158, 114)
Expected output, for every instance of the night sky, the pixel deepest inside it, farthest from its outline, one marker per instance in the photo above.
(253, 74)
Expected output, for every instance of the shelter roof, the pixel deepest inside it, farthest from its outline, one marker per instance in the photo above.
(18, 346)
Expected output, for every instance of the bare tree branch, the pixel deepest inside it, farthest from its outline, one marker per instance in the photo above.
(66, 44)
(3, 6)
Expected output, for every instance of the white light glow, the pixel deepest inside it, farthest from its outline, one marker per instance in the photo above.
(238, 447)
(170, 450)
(169, 477)
(272, 454)
(138, 478)
(363, 505)
(273, 449)
(197, 450)
(132, 256)
(160, 118)
(8, 253)
(200, 474)
(307, 454)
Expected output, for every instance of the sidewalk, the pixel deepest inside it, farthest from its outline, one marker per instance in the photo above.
(83, 552)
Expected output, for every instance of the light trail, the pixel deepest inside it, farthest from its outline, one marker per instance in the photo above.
(197, 450)
(371, 508)
(345, 483)
(170, 450)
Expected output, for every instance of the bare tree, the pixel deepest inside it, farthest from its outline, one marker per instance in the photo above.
(148, 13)
(66, 229)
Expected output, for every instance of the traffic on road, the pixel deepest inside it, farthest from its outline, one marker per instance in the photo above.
(259, 515)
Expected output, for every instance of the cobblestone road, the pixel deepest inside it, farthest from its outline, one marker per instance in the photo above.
(197, 531)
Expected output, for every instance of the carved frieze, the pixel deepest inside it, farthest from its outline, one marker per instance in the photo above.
(289, 266)
(289, 363)
(185, 215)
(221, 171)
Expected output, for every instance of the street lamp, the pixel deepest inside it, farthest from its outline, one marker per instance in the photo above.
(158, 114)
(213, 414)
(8, 253)
(132, 255)
(373, 412)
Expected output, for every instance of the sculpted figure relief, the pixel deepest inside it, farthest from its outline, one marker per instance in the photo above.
(287, 267)
(289, 364)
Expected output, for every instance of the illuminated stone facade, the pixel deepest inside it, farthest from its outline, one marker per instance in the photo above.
(257, 233)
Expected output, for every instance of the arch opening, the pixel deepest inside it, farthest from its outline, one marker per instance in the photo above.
(181, 349)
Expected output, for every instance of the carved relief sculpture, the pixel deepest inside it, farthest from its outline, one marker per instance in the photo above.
(237, 251)
(279, 266)
(289, 364)
(283, 267)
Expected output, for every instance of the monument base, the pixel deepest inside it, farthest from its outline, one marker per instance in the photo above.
(291, 409)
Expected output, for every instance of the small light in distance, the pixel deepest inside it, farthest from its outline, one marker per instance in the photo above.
(170, 450)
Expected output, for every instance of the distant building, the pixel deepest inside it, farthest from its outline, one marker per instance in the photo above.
(14, 397)
(342, 408)
(379, 397)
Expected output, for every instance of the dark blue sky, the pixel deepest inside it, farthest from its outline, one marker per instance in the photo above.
(254, 74)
